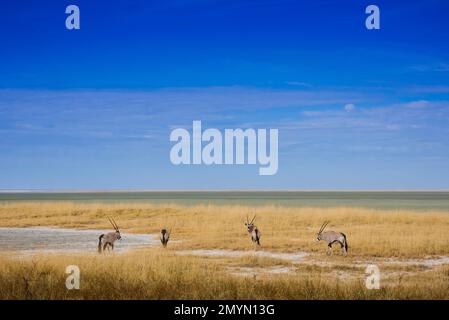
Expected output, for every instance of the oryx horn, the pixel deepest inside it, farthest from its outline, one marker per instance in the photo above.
(253, 219)
(325, 223)
(112, 221)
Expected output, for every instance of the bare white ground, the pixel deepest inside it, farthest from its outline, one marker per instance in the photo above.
(43, 239)
(292, 257)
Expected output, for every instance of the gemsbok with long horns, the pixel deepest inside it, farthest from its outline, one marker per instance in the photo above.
(253, 230)
(107, 240)
(332, 237)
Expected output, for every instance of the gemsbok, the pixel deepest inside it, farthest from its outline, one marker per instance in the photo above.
(164, 236)
(332, 237)
(107, 240)
(253, 230)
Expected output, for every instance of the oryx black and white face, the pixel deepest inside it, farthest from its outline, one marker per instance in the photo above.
(116, 228)
(253, 230)
(250, 225)
(319, 234)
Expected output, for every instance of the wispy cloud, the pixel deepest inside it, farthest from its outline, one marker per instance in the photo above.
(349, 107)
(434, 67)
(298, 84)
(433, 89)
(417, 104)
(133, 113)
(319, 120)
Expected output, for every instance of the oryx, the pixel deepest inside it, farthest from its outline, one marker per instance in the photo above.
(332, 237)
(252, 230)
(164, 236)
(108, 239)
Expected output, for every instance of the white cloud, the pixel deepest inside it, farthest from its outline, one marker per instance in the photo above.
(436, 67)
(429, 89)
(298, 84)
(417, 104)
(349, 107)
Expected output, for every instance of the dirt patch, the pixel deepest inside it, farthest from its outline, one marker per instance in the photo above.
(258, 271)
(428, 262)
(40, 239)
(292, 257)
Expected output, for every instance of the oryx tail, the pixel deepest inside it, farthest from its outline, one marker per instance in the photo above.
(99, 243)
(346, 241)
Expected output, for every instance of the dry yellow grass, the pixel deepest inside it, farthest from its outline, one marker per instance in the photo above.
(155, 273)
(371, 232)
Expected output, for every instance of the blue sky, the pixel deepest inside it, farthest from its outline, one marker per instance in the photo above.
(93, 108)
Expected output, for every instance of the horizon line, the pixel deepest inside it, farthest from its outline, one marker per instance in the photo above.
(5, 191)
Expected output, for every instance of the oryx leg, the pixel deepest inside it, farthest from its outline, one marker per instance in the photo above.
(330, 245)
(329, 249)
(342, 247)
(105, 246)
(112, 246)
(254, 243)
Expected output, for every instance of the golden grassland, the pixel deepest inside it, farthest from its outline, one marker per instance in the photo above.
(155, 273)
(370, 232)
